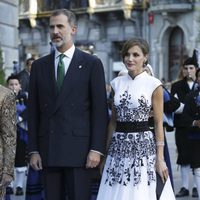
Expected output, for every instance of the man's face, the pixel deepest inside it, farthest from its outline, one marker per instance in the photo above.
(61, 32)
(29, 65)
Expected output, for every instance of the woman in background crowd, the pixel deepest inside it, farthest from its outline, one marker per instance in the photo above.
(181, 89)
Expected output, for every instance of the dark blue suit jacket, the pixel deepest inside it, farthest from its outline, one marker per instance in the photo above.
(65, 126)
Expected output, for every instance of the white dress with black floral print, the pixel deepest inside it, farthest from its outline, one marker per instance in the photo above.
(129, 172)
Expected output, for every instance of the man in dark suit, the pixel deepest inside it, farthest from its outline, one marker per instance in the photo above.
(67, 121)
(180, 89)
(24, 75)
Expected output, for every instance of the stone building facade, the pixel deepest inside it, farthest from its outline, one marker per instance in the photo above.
(170, 26)
(9, 37)
(103, 26)
(174, 33)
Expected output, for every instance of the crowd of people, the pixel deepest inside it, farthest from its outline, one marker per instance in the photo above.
(68, 125)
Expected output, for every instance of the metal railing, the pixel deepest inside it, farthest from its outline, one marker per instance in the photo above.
(156, 2)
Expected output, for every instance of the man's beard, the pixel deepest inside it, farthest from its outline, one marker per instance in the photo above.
(57, 44)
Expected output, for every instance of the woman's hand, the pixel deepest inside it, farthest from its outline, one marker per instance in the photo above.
(162, 169)
(6, 180)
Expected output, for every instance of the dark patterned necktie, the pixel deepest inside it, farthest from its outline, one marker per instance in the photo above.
(60, 71)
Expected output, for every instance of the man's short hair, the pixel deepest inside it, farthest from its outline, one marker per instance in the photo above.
(13, 76)
(29, 60)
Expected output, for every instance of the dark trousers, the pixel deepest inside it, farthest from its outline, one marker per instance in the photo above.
(66, 183)
(183, 146)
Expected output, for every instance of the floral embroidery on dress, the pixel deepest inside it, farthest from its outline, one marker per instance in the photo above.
(126, 113)
(127, 150)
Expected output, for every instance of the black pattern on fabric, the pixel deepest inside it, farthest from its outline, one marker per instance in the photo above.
(128, 150)
(125, 113)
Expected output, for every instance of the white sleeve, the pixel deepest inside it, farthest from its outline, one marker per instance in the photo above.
(179, 110)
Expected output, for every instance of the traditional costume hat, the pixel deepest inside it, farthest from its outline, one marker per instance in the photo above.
(196, 57)
(190, 61)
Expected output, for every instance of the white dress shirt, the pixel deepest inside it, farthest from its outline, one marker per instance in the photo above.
(67, 59)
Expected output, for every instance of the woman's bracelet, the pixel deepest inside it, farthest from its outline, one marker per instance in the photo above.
(160, 143)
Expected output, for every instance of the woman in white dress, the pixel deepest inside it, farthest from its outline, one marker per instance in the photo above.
(134, 153)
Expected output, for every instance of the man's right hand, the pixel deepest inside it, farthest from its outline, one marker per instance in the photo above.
(35, 161)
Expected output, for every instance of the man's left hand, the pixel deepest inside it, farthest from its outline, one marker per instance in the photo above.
(93, 159)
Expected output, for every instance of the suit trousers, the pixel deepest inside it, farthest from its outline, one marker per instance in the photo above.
(67, 183)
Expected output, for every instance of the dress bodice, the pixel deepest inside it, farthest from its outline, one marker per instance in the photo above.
(133, 97)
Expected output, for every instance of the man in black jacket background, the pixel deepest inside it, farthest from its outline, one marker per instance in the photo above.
(180, 89)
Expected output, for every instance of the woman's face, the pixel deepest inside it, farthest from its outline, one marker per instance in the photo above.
(184, 71)
(135, 59)
(191, 70)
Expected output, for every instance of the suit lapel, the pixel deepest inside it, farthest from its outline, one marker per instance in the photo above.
(51, 74)
(72, 75)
